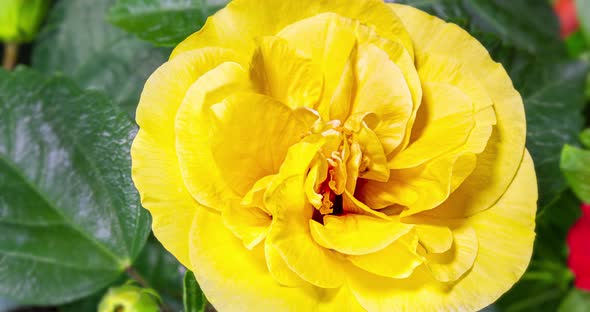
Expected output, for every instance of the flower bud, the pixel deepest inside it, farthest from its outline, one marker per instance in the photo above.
(21, 19)
(129, 298)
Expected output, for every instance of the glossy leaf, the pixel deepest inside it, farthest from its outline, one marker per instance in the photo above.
(553, 94)
(528, 25)
(575, 165)
(193, 297)
(79, 42)
(576, 301)
(163, 22)
(70, 218)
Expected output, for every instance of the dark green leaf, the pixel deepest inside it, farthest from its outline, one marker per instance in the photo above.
(575, 165)
(86, 304)
(585, 137)
(70, 217)
(162, 272)
(194, 299)
(529, 25)
(576, 301)
(531, 295)
(163, 22)
(553, 95)
(78, 42)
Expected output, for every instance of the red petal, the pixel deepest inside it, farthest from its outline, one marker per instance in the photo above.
(566, 11)
(578, 240)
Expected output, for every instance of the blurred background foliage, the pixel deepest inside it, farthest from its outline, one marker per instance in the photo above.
(89, 61)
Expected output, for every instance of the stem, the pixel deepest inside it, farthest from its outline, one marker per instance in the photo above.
(10, 55)
(137, 277)
(143, 283)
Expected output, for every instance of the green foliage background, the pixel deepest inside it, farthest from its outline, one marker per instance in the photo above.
(76, 226)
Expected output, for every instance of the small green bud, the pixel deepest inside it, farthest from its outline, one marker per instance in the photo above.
(20, 19)
(129, 298)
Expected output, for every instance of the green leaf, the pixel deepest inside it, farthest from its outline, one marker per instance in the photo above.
(193, 298)
(78, 42)
(585, 138)
(528, 25)
(163, 22)
(553, 94)
(576, 301)
(583, 13)
(575, 165)
(162, 272)
(89, 303)
(576, 44)
(70, 217)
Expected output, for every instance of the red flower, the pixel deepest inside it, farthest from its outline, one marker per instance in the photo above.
(566, 11)
(578, 241)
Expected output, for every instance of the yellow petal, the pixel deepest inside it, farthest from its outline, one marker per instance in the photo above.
(250, 224)
(214, 145)
(235, 278)
(435, 239)
(155, 168)
(290, 236)
(397, 260)
(421, 188)
(289, 233)
(317, 175)
(381, 89)
(278, 71)
(505, 233)
(328, 41)
(195, 160)
(237, 25)
(452, 264)
(445, 121)
(500, 160)
(255, 196)
(357, 234)
(351, 204)
(278, 268)
(377, 168)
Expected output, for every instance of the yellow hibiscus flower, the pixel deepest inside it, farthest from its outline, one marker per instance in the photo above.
(337, 156)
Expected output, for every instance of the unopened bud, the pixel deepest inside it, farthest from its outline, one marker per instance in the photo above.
(129, 298)
(20, 19)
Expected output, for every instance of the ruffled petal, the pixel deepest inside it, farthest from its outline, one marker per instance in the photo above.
(434, 238)
(235, 278)
(499, 162)
(289, 232)
(278, 71)
(238, 24)
(260, 129)
(153, 150)
(452, 264)
(398, 260)
(505, 233)
(445, 121)
(419, 189)
(357, 234)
